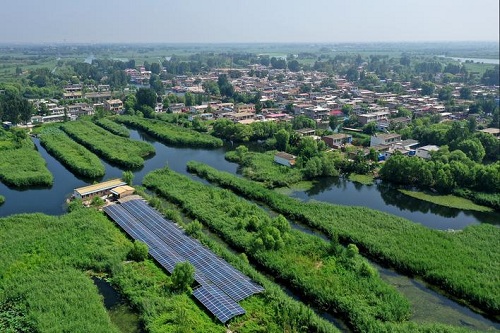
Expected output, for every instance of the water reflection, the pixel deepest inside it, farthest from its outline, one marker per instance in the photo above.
(334, 190)
(387, 198)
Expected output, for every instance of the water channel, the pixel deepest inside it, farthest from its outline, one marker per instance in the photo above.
(427, 304)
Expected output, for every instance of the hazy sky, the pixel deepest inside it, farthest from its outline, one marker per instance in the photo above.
(215, 21)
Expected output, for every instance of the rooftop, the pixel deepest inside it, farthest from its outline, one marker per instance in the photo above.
(100, 186)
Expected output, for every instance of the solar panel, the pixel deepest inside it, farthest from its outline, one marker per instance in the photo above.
(222, 306)
(158, 250)
(226, 277)
(222, 286)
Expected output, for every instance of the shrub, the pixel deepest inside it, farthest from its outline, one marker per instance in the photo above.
(139, 251)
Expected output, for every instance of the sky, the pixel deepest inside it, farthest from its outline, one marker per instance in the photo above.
(245, 21)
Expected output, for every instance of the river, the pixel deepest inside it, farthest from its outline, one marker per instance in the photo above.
(52, 201)
(475, 60)
(334, 190)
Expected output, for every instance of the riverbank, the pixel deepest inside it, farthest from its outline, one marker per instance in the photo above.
(52, 284)
(452, 261)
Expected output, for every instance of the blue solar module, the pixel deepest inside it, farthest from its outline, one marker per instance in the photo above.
(223, 307)
(226, 277)
(222, 286)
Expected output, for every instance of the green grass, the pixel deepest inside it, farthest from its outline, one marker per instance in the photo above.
(447, 201)
(24, 167)
(2, 199)
(74, 156)
(262, 168)
(460, 263)
(170, 133)
(44, 265)
(113, 127)
(116, 149)
(477, 67)
(362, 179)
(300, 186)
(43, 260)
(333, 278)
(20, 164)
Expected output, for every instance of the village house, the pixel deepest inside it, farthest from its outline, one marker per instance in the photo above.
(113, 105)
(100, 189)
(366, 118)
(337, 140)
(305, 132)
(384, 139)
(244, 108)
(317, 113)
(425, 151)
(98, 97)
(176, 107)
(493, 131)
(285, 159)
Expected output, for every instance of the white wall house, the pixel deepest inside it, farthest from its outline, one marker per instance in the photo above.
(425, 151)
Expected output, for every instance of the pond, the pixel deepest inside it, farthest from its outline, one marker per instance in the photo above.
(118, 310)
(387, 198)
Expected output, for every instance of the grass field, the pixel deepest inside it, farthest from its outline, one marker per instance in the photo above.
(362, 179)
(447, 201)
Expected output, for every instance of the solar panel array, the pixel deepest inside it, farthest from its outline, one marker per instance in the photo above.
(217, 302)
(222, 286)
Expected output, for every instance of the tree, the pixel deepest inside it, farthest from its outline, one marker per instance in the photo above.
(352, 74)
(302, 121)
(156, 84)
(225, 87)
(427, 88)
(155, 68)
(471, 124)
(403, 112)
(128, 177)
(370, 128)
(347, 109)
(183, 276)
(294, 65)
(211, 88)
(139, 251)
(194, 229)
(490, 144)
(491, 76)
(473, 149)
(145, 96)
(26, 110)
(282, 137)
(405, 60)
(445, 94)
(189, 99)
(465, 93)
(333, 122)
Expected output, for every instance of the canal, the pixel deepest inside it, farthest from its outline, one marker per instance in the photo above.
(427, 304)
(381, 196)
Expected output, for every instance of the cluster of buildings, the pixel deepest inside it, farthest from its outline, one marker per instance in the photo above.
(324, 98)
(70, 107)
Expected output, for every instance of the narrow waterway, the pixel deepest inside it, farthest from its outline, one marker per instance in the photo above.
(333, 190)
(325, 315)
(427, 304)
(119, 311)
